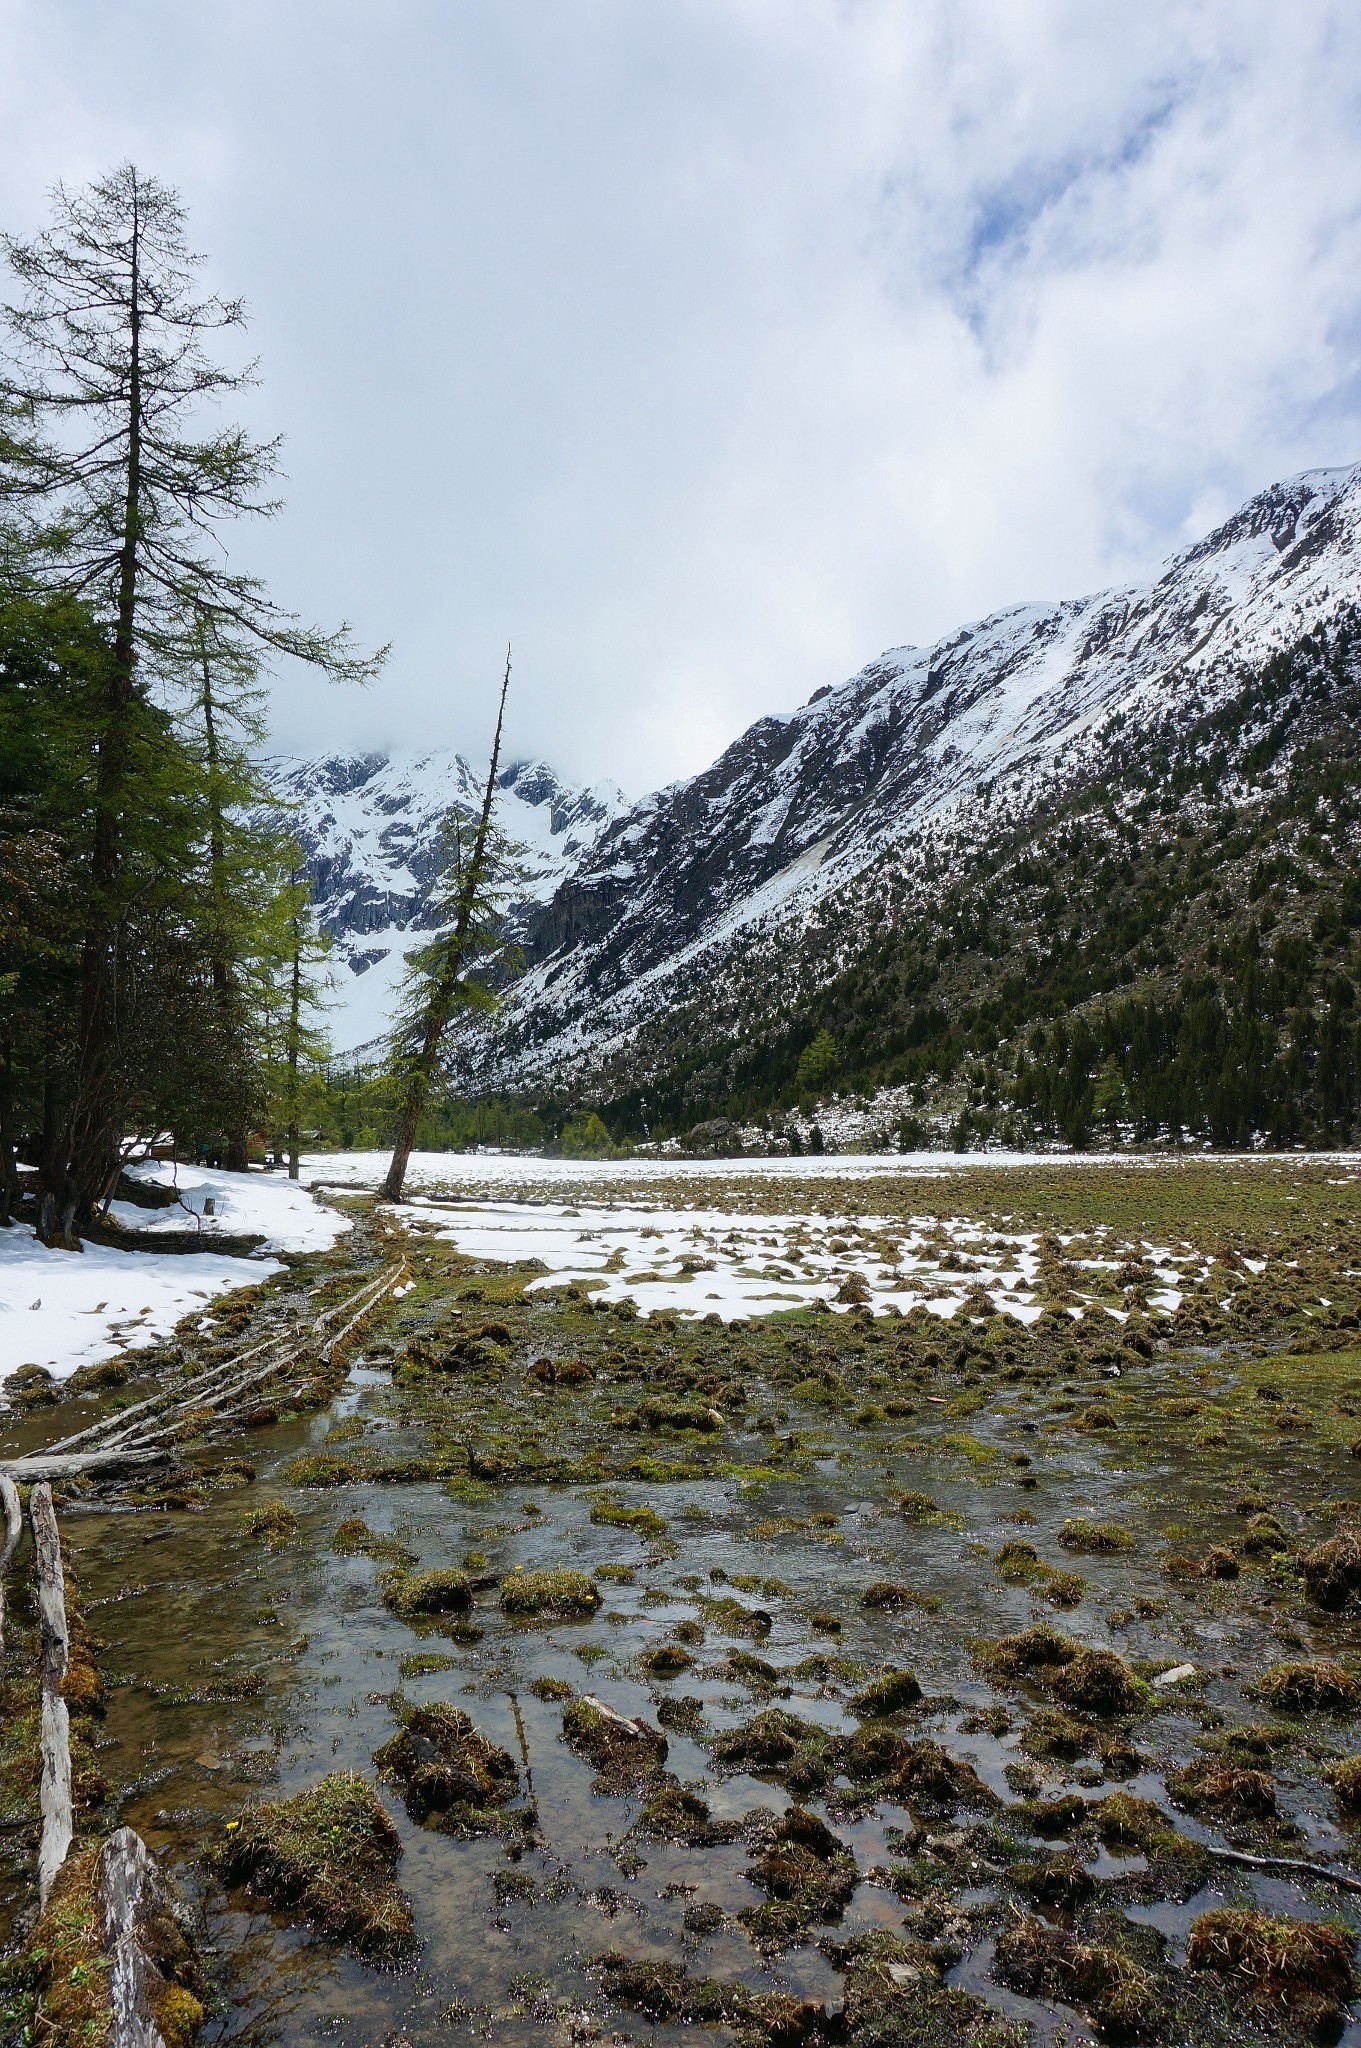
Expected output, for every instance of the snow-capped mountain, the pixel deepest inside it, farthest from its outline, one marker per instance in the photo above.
(370, 829)
(923, 748)
(876, 794)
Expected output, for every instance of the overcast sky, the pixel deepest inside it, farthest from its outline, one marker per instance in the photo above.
(708, 347)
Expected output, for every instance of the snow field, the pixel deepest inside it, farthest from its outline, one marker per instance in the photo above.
(595, 1224)
(62, 1309)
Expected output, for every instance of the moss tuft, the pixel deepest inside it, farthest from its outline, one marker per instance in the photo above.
(451, 1776)
(889, 1693)
(417, 1596)
(527, 1595)
(1314, 1684)
(273, 1522)
(330, 1856)
(1298, 1968)
(626, 1753)
(354, 1538)
(1094, 1538)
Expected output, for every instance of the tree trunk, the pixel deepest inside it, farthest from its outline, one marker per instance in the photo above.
(91, 1139)
(444, 994)
(236, 1157)
(294, 1030)
(9, 1172)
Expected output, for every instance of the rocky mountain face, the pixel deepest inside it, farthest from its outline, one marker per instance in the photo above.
(1146, 796)
(370, 826)
(921, 761)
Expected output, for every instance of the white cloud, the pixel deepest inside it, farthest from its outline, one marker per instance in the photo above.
(710, 348)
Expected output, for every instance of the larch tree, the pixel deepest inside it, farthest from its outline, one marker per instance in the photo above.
(117, 489)
(443, 979)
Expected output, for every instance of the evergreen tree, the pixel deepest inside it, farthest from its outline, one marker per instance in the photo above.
(119, 495)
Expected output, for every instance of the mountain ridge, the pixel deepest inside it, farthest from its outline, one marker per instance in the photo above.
(993, 712)
(683, 951)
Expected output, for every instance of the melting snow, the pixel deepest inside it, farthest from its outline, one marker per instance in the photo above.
(65, 1309)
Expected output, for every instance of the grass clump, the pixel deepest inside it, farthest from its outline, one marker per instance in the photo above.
(1299, 1970)
(320, 1468)
(450, 1775)
(425, 1663)
(1052, 1962)
(733, 1619)
(329, 1855)
(1345, 1779)
(1313, 1684)
(274, 1523)
(675, 1814)
(1096, 1682)
(420, 1596)
(889, 1693)
(668, 1660)
(354, 1538)
(528, 1595)
(1332, 1571)
(663, 1991)
(1021, 1564)
(1094, 1538)
(644, 1521)
(626, 1753)
(1215, 1788)
(770, 1739)
(808, 1874)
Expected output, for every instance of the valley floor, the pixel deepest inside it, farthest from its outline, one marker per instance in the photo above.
(879, 1593)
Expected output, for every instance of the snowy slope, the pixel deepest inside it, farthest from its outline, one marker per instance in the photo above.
(369, 826)
(923, 744)
(61, 1310)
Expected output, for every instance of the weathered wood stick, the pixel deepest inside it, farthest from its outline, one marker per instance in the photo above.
(332, 1315)
(132, 1896)
(14, 1523)
(390, 1280)
(39, 1465)
(54, 1796)
(115, 1425)
(1331, 1873)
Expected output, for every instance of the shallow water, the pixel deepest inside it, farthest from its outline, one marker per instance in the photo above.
(240, 1671)
(310, 1629)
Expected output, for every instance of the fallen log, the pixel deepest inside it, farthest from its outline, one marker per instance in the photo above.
(142, 1936)
(112, 1430)
(115, 1426)
(388, 1281)
(14, 1523)
(54, 1795)
(115, 1464)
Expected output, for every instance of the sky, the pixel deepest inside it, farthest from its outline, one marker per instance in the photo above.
(706, 348)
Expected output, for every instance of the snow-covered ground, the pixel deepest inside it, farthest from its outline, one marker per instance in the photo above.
(469, 1171)
(284, 1212)
(65, 1309)
(700, 1261)
(624, 1228)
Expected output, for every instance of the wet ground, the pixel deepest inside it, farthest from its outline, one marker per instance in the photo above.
(787, 1506)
